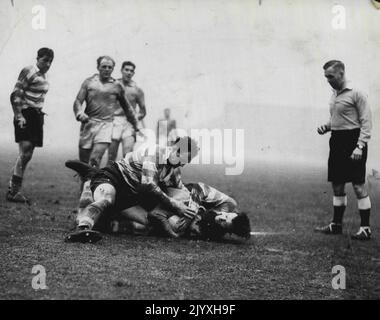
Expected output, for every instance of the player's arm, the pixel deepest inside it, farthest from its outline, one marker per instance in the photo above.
(149, 185)
(18, 94)
(365, 119)
(127, 107)
(80, 115)
(324, 128)
(141, 103)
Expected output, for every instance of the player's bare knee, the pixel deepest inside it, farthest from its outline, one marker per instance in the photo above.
(26, 156)
(105, 192)
(360, 190)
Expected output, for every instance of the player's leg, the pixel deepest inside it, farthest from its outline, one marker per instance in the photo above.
(84, 155)
(364, 205)
(26, 149)
(132, 220)
(113, 150)
(97, 154)
(102, 140)
(339, 206)
(128, 144)
(117, 132)
(128, 138)
(103, 198)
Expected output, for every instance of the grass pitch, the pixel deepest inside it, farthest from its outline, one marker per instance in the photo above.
(283, 260)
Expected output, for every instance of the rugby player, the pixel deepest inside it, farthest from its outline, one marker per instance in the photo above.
(350, 125)
(217, 215)
(102, 95)
(122, 130)
(27, 100)
(126, 183)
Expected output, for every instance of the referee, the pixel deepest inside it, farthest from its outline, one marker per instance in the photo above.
(350, 125)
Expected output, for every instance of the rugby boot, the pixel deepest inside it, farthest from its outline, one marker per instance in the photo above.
(363, 234)
(17, 197)
(331, 228)
(84, 170)
(83, 234)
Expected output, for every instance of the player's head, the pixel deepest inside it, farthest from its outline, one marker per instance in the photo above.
(216, 224)
(128, 70)
(334, 73)
(167, 113)
(105, 65)
(45, 57)
(183, 151)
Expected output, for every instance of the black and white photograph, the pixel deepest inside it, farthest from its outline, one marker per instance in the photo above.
(206, 151)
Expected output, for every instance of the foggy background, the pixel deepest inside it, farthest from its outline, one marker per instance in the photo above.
(216, 64)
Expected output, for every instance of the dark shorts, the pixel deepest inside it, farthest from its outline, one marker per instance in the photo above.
(125, 197)
(341, 168)
(33, 129)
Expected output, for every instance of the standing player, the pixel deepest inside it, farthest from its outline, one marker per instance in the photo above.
(103, 95)
(166, 129)
(122, 130)
(27, 100)
(350, 125)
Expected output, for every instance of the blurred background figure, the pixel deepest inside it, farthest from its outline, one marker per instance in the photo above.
(166, 130)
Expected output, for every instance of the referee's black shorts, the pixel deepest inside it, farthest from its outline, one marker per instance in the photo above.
(33, 129)
(341, 168)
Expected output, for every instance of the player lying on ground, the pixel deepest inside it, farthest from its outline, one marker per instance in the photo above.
(123, 184)
(217, 215)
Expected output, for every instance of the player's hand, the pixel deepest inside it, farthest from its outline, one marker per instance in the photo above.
(82, 117)
(322, 129)
(183, 210)
(21, 121)
(357, 154)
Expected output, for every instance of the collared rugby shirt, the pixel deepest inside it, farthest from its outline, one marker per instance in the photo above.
(349, 109)
(149, 166)
(30, 89)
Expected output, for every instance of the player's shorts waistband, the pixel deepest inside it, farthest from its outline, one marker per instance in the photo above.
(100, 120)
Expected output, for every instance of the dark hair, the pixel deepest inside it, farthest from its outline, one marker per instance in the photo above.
(241, 226)
(187, 144)
(45, 52)
(99, 60)
(128, 63)
(209, 229)
(336, 64)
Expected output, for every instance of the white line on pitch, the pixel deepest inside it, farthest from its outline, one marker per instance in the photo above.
(265, 233)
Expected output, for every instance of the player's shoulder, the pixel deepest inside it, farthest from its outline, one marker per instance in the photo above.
(29, 71)
(91, 79)
(359, 94)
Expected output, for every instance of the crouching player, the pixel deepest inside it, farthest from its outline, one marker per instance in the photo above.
(142, 174)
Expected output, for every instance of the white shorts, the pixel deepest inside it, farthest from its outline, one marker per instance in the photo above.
(121, 128)
(94, 131)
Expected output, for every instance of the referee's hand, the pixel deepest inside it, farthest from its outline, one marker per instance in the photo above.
(322, 129)
(357, 154)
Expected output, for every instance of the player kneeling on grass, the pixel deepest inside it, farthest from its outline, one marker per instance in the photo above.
(216, 216)
(122, 184)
